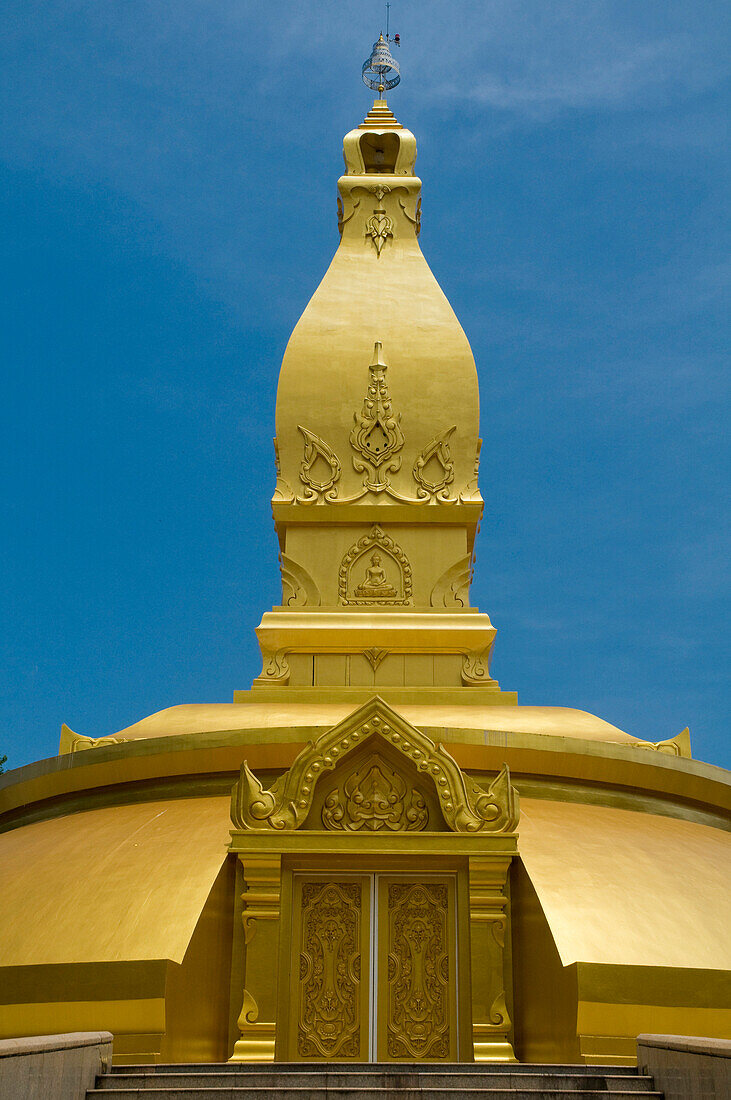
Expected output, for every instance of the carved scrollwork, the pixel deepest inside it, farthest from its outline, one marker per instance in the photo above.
(498, 1015)
(376, 438)
(329, 997)
(344, 218)
(375, 587)
(453, 587)
(418, 1022)
(466, 806)
(497, 927)
(372, 798)
(282, 490)
(475, 669)
(249, 1011)
(471, 490)
(414, 218)
(434, 468)
(275, 669)
(298, 587)
(499, 804)
(320, 469)
(377, 435)
(379, 226)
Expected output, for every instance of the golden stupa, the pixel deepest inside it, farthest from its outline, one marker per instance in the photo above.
(375, 852)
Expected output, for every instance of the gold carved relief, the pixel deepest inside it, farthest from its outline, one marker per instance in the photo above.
(377, 435)
(475, 669)
(376, 438)
(415, 219)
(77, 742)
(466, 806)
(260, 916)
(329, 987)
(319, 470)
(379, 226)
(364, 571)
(471, 490)
(344, 218)
(298, 587)
(434, 468)
(375, 797)
(674, 746)
(491, 1023)
(282, 491)
(275, 668)
(374, 656)
(418, 971)
(453, 587)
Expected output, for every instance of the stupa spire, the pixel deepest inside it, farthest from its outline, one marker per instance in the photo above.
(376, 504)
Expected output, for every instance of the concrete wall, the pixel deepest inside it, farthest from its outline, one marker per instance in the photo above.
(686, 1068)
(59, 1066)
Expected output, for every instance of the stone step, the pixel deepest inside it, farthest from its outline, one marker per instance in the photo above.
(373, 1081)
(244, 1092)
(436, 1078)
(487, 1068)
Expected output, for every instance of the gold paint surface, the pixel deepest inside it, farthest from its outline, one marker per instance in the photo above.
(189, 718)
(633, 1019)
(196, 1005)
(110, 884)
(57, 1017)
(622, 887)
(545, 1002)
(398, 284)
(180, 766)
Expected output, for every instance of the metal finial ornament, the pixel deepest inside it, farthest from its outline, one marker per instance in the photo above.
(380, 72)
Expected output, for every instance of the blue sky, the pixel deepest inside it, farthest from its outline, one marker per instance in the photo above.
(168, 206)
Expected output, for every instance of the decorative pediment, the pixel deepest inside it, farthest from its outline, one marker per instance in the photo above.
(465, 806)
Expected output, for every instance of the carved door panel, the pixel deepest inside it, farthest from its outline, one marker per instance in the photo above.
(416, 973)
(330, 969)
(373, 969)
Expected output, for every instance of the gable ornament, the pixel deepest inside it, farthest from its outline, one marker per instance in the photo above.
(466, 806)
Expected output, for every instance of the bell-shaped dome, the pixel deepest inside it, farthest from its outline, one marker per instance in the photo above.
(379, 288)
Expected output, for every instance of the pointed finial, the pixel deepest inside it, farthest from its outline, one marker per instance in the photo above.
(377, 361)
(380, 72)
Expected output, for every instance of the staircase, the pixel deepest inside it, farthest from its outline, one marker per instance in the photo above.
(372, 1081)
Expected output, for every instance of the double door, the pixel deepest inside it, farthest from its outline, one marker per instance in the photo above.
(373, 968)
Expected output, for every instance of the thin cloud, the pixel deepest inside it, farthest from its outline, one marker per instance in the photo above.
(604, 81)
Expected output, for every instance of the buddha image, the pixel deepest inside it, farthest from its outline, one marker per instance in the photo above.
(375, 586)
